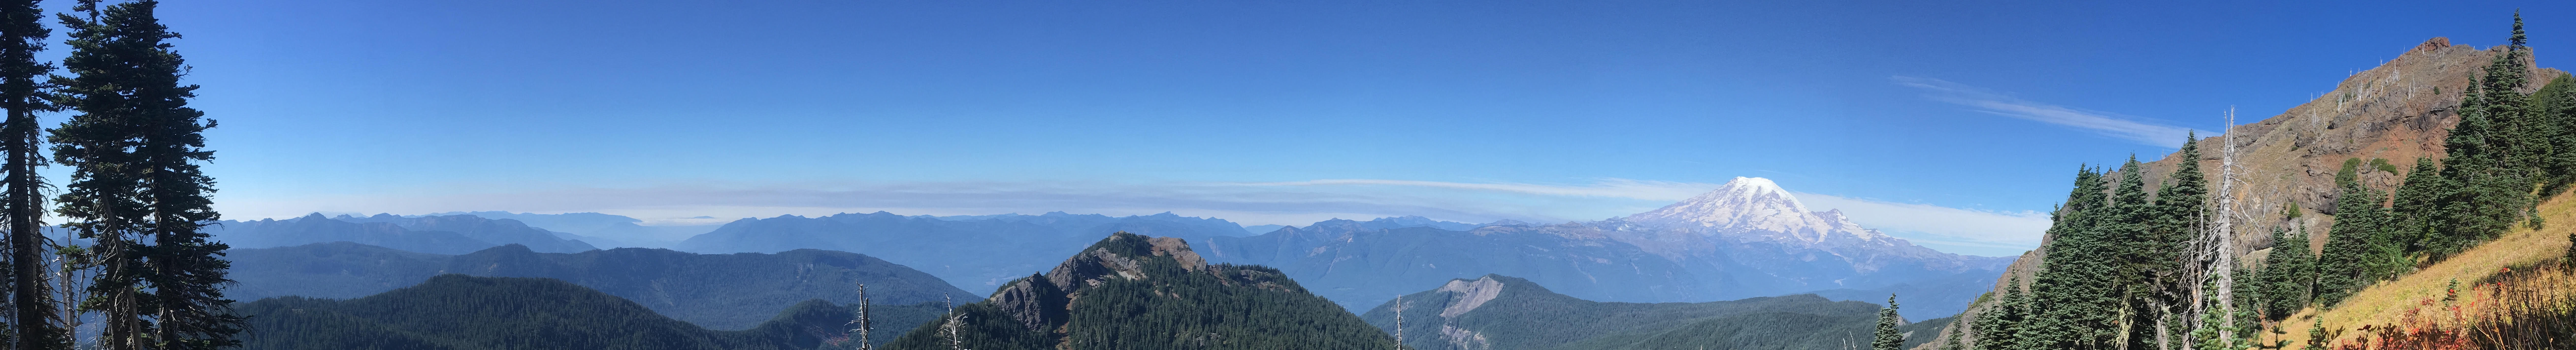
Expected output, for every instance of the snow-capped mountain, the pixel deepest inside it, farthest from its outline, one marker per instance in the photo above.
(1756, 206)
(1747, 238)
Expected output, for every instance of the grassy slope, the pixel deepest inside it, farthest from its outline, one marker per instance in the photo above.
(2388, 301)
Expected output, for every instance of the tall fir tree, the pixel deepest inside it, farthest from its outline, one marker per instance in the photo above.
(1999, 328)
(1952, 341)
(2288, 274)
(2161, 284)
(22, 202)
(137, 190)
(2343, 267)
(1887, 337)
(2075, 303)
(2419, 208)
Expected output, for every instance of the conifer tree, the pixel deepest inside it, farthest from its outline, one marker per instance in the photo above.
(2419, 210)
(1888, 338)
(137, 190)
(2073, 300)
(22, 203)
(2158, 282)
(2288, 274)
(2342, 268)
(1999, 328)
(1953, 342)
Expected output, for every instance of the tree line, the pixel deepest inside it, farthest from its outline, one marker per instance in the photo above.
(135, 198)
(2132, 268)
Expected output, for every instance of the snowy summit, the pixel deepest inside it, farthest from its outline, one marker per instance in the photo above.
(1756, 205)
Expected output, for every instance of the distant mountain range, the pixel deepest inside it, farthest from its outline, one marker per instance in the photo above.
(724, 291)
(981, 251)
(603, 230)
(458, 312)
(452, 234)
(1501, 312)
(1748, 238)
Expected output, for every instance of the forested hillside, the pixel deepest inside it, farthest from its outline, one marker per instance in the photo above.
(1501, 312)
(464, 312)
(717, 291)
(1132, 292)
(2381, 192)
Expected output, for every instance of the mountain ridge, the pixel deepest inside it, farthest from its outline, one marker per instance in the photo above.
(716, 291)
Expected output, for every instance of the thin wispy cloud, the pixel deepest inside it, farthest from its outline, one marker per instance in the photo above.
(1990, 102)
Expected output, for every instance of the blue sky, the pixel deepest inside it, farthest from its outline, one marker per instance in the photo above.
(1949, 123)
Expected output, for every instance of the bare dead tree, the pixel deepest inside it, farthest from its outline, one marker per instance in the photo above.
(861, 325)
(2226, 232)
(955, 321)
(71, 263)
(1399, 322)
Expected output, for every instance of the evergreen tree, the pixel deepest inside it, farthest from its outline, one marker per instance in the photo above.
(2419, 209)
(137, 189)
(2555, 103)
(1953, 342)
(2288, 274)
(2342, 268)
(2156, 283)
(2215, 335)
(1888, 338)
(1998, 328)
(22, 203)
(2075, 299)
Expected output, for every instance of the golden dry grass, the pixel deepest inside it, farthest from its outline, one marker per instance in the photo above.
(2389, 302)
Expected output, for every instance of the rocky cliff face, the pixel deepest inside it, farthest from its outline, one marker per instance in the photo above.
(2399, 111)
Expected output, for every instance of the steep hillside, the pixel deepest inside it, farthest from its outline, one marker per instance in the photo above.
(717, 291)
(1748, 238)
(1500, 312)
(977, 251)
(2414, 296)
(463, 312)
(1132, 292)
(2395, 114)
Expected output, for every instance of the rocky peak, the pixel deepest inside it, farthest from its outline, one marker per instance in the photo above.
(1470, 294)
(1041, 302)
